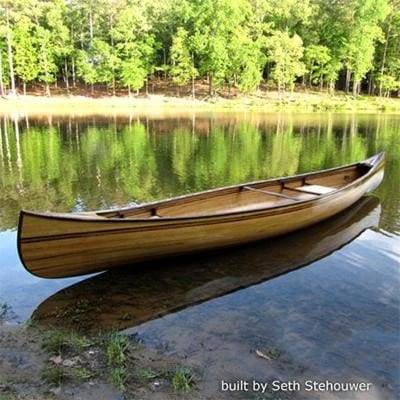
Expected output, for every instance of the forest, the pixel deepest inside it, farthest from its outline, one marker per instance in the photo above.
(328, 45)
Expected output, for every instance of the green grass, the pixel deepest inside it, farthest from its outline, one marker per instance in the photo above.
(81, 373)
(57, 341)
(118, 376)
(54, 375)
(116, 349)
(145, 374)
(79, 343)
(182, 380)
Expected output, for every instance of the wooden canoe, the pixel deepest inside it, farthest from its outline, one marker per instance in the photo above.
(142, 294)
(60, 245)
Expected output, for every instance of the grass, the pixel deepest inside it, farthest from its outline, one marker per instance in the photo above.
(54, 375)
(116, 349)
(57, 341)
(118, 376)
(182, 380)
(145, 374)
(79, 343)
(262, 101)
(117, 346)
(81, 373)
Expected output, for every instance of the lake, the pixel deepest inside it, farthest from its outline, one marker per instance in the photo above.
(322, 303)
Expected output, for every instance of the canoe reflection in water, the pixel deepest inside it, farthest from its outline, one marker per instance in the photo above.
(125, 298)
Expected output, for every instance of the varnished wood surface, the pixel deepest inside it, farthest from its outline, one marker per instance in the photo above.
(59, 245)
(120, 299)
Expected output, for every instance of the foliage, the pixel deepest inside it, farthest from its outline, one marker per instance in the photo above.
(236, 43)
(182, 380)
(116, 349)
(182, 70)
(285, 52)
(54, 375)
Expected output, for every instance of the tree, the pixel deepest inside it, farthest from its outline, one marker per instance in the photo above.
(228, 43)
(317, 60)
(133, 74)
(387, 64)
(183, 69)
(46, 58)
(7, 8)
(285, 52)
(26, 50)
(214, 24)
(85, 68)
(365, 31)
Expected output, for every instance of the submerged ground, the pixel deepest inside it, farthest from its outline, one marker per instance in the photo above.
(318, 304)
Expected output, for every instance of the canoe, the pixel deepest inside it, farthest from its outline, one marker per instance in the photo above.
(53, 245)
(142, 294)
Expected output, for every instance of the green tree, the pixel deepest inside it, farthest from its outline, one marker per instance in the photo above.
(285, 52)
(365, 31)
(133, 74)
(317, 60)
(26, 50)
(183, 69)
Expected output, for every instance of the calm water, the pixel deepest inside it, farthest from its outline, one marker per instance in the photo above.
(324, 302)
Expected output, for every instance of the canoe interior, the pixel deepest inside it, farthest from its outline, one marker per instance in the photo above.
(259, 195)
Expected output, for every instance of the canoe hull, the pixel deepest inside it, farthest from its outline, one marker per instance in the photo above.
(75, 246)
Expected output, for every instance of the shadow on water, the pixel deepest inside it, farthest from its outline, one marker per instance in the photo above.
(126, 298)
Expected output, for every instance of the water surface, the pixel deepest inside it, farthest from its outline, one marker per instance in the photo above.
(324, 301)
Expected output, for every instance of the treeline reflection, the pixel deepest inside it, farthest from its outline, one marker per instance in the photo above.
(66, 163)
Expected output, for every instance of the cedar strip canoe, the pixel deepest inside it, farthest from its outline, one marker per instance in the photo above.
(171, 285)
(54, 245)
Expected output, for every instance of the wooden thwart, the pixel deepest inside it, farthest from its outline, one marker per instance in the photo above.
(318, 190)
(270, 193)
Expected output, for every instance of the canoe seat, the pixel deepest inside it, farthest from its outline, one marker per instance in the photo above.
(315, 189)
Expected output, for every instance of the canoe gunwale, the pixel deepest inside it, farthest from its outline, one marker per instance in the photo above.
(375, 163)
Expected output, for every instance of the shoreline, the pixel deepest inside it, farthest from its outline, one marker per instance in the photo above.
(155, 103)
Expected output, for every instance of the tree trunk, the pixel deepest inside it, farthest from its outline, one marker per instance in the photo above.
(147, 86)
(355, 87)
(321, 83)
(331, 86)
(129, 91)
(91, 26)
(66, 75)
(384, 54)
(24, 87)
(2, 93)
(48, 93)
(348, 77)
(92, 89)
(165, 63)
(73, 73)
(370, 80)
(210, 86)
(112, 51)
(193, 89)
(10, 52)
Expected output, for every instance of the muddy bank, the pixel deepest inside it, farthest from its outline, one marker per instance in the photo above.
(38, 363)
